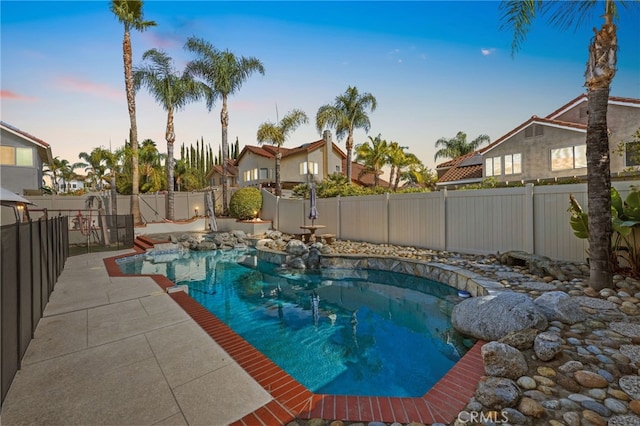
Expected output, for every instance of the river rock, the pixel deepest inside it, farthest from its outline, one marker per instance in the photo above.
(589, 379)
(497, 393)
(624, 420)
(547, 345)
(493, 317)
(559, 306)
(530, 407)
(503, 360)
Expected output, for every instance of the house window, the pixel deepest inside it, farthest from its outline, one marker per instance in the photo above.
(24, 157)
(264, 174)
(7, 155)
(308, 167)
(255, 174)
(512, 164)
(632, 154)
(337, 168)
(246, 175)
(13, 156)
(493, 166)
(572, 157)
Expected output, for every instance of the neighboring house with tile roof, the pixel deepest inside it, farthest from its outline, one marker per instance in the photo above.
(214, 176)
(22, 157)
(549, 148)
(311, 161)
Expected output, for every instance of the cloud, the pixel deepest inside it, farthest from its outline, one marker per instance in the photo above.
(487, 52)
(86, 87)
(162, 40)
(9, 95)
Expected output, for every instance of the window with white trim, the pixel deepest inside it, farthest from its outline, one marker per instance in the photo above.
(308, 167)
(493, 166)
(571, 157)
(512, 164)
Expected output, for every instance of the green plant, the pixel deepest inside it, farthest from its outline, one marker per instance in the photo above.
(245, 203)
(625, 222)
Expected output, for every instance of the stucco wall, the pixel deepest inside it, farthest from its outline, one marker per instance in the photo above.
(18, 178)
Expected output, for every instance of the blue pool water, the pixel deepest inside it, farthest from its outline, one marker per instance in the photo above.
(336, 331)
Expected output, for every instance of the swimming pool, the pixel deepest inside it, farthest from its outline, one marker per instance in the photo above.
(336, 331)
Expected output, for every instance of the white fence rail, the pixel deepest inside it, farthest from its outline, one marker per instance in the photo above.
(531, 218)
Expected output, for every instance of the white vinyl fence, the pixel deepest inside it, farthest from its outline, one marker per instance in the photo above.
(531, 218)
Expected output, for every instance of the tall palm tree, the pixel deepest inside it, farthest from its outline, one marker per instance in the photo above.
(277, 134)
(112, 162)
(458, 145)
(224, 73)
(349, 112)
(395, 154)
(54, 171)
(407, 160)
(130, 15)
(373, 154)
(172, 91)
(601, 68)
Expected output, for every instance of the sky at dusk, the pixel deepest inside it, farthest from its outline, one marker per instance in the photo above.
(435, 68)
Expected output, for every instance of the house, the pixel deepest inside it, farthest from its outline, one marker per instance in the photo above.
(549, 148)
(214, 176)
(308, 162)
(21, 159)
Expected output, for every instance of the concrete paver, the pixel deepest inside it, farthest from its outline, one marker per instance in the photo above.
(119, 351)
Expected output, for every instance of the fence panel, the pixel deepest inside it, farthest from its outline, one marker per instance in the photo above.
(486, 221)
(32, 257)
(9, 307)
(426, 211)
(364, 219)
(291, 215)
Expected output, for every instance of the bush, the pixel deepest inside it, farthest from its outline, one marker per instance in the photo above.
(245, 203)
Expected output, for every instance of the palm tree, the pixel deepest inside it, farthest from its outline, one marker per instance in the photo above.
(458, 145)
(276, 134)
(129, 13)
(151, 167)
(224, 73)
(373, 154)
(420, 175)
(601, 68)
(349, 112)
(173, 92)
(112, 161)
(94, 167)
(395, 155)
(54, 171)
(407, 160)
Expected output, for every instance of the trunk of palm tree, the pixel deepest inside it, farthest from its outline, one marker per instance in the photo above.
(171, 137)
(133, 131)
(114, 194)
(600, 71)
(392, 174)
(349, 145)
(224, 120)
(278, 182)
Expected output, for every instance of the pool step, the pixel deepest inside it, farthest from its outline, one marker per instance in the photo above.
(142, 243)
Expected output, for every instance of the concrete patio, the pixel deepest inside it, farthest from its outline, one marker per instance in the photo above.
(120, 351)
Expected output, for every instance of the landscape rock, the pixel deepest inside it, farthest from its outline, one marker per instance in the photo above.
(530, 407)
(297, 248)
(502, 360)
(589, 379)
(493, 317)
(559, 306)
(497, 393)
(547, 345)
(521, 340)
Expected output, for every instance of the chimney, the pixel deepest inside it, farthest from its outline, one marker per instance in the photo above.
(326, 135)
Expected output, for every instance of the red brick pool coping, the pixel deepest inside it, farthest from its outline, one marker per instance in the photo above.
(441, 404)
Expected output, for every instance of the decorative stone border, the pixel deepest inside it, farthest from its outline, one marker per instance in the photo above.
(454, 276)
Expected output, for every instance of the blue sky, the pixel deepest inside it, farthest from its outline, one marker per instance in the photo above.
(435, 67)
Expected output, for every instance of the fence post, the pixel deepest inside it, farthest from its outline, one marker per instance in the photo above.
(277, 218)
(443, 214)
(387, 239)
(339, 215)
(529, 236)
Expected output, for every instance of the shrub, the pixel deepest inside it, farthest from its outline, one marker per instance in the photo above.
(245, 203)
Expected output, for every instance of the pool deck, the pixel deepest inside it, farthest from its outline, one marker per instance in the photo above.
(120, 350)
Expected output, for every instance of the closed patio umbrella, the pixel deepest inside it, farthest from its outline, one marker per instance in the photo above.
(313, 210)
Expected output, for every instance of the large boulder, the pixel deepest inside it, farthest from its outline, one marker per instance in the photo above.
(503, 361)
(493, 317)
(297, 248)
(559, 306)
